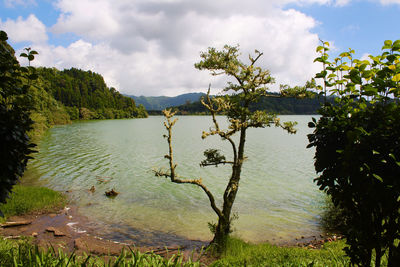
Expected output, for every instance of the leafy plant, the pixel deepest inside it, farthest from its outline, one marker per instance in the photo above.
(357, 143)
(15, 119)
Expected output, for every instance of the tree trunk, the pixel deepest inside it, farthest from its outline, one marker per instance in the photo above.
(223, 227)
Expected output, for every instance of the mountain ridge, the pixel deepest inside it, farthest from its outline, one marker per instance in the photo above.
(162, 102)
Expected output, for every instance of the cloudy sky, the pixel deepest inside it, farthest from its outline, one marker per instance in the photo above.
(148, 47)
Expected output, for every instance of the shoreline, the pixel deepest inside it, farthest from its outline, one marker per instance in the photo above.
(69, 230)
(65, 229)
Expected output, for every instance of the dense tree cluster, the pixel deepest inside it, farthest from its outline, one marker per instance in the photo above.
(15, 121)
(87, 95)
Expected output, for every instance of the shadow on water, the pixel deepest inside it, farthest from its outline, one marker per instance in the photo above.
(127, 234)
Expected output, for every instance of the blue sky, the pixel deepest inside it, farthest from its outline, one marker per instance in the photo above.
(149, 47)
(361, 25)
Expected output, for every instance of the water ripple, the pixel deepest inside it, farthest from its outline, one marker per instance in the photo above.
(276, 199)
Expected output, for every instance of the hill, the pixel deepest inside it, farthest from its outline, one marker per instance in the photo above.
(162, 102)
(86, 95)
(272, 103)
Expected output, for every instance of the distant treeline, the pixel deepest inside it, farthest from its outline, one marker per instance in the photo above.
(61, 96)
(271, 103)
(161, 102)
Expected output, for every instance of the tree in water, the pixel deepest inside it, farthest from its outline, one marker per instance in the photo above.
(250, 84)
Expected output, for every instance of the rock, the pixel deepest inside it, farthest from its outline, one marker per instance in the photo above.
(92, 189)
(34, 234)
(111, 193)
(14, 224)
(55, 231)
(98, 247)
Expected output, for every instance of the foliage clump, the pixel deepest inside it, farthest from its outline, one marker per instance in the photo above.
(15, 119)
(357, 141)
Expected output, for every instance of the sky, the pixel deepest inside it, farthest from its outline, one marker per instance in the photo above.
(149, 47)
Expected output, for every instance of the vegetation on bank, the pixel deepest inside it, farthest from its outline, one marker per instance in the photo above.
(357, 146)
(15, 121)
(59, 97)
(23, 253)
(86, 96)
(31, 199)
(239, 253)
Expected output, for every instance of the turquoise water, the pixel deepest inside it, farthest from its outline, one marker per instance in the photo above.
(277, 200)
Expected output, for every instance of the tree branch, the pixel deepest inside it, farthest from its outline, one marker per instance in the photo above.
(172, 174)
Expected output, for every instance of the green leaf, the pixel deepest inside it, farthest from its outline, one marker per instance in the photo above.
(369, 90)
(387, 44)
(321, 74)
(396, 78)
(319, 48)
(367, 74)
(23, 55)
(376, 176)
(31, 57)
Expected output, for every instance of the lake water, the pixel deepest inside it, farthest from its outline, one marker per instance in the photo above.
(277, 199)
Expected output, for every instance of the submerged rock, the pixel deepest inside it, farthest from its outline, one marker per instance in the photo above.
(111, 193)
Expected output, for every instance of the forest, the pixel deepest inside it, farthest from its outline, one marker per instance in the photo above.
(273, 102)
(73, 94)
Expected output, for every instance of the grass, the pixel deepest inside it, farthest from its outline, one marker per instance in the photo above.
(22, 253)
(240, 253)
(30, 199)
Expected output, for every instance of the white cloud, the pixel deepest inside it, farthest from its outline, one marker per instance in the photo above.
(31, 29)
(341, 3)
(149, 47)
(14, 3)
(388, 2)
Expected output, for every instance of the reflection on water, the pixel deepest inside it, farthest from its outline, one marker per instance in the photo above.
(276, 200)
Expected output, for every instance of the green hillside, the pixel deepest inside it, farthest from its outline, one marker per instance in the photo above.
(162, 102)
(272, 103)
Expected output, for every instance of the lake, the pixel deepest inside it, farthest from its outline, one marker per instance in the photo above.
(277, 199)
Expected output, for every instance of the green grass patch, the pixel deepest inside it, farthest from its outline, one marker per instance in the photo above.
(23, 253)
(239, 253)
(29, 199)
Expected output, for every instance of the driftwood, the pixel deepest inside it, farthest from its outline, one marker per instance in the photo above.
(14, 224)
